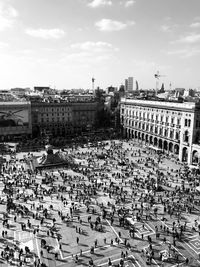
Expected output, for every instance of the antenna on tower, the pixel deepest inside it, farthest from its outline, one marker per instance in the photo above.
(170, 86)
(93, 80)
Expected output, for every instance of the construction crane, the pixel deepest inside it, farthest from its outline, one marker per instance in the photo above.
(157, 76)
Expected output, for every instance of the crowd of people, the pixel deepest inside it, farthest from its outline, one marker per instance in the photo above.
(119, 181)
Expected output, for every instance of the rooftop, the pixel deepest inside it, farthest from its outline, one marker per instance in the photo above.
(14, 103)
(177, 105)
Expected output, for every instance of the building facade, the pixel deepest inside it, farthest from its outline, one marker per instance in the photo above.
(15, 120)
(167, 126)
(63, 118)
(51, 118)
(84, 115)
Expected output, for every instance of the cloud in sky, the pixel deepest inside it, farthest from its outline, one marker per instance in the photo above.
(109, 25)
(168, 25)
(129, 3)
(195, 25)
(165, 28)
(8, 15)
(3, 45)
(90, 53)
(98, 3)
(46, 33)
(85, 58)
(185, 53)
(189, 39)
(94, 46)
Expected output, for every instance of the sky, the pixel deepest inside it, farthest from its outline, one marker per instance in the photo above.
(64, 43)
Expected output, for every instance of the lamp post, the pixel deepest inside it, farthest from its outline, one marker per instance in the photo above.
(158, 171)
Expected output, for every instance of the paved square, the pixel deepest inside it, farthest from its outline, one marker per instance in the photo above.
(194, 243)
(26, 239)
(129, 261)
(90, 205)
(86, 239)
(170, 256)
(145, 229)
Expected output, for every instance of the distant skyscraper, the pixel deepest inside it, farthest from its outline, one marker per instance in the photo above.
(129, 84)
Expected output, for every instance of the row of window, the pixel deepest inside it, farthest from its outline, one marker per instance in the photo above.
(64, 120)
(154, 110)
(66, 114)
(169, 133)
(160, 131)
(132, 122)
(55, 114)
(55, 109)
(57, 127)
(158, 118)
(58, 130)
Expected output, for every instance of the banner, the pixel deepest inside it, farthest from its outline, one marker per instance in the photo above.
(13, 117)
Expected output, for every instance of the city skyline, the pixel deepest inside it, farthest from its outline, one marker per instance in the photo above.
(64, 44)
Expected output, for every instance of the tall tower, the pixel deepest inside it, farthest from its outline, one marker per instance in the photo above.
(130, 84)
(157, 76)
(137, 86)
(93, 79)
(126, 85)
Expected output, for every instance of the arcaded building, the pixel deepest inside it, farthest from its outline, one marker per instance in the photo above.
(169, 127)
